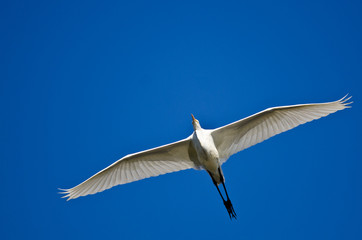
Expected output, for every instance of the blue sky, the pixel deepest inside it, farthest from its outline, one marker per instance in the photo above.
(84, 83)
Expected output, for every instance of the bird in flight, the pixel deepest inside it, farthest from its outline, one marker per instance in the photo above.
(205, 149)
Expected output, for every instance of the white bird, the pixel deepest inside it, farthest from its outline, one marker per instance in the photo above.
(205, 149)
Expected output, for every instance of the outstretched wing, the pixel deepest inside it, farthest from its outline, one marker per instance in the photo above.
(165, 159)
(237, 136)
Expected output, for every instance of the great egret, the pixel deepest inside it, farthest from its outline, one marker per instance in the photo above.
(205, 149)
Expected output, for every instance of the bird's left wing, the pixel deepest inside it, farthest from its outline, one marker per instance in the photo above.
(249, 131)
(165, 159)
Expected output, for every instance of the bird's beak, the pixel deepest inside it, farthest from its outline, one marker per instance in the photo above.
(193, 118)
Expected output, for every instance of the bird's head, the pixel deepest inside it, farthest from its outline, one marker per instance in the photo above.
(195, 123)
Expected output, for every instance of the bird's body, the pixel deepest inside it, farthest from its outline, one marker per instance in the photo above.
(208, 158)
(205, 149)
(207, 154)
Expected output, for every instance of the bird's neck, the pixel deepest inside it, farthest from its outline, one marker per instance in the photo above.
(197, 127)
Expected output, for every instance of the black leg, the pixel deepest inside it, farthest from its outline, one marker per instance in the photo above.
(220, 192)
(217, 187)
(227, 203)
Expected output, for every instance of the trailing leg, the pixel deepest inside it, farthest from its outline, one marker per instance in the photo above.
(229, 207)
(227, 203)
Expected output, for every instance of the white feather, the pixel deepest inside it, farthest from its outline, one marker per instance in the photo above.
(239, 135)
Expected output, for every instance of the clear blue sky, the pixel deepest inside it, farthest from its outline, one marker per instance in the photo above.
(84, 83)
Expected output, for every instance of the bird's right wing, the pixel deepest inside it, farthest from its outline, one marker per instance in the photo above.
(249, 131)
(165, 159)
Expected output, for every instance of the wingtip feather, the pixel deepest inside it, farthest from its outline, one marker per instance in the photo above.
(67, 192)
(344, 101)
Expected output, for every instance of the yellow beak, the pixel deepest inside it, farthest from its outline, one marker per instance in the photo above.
(193, 118)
